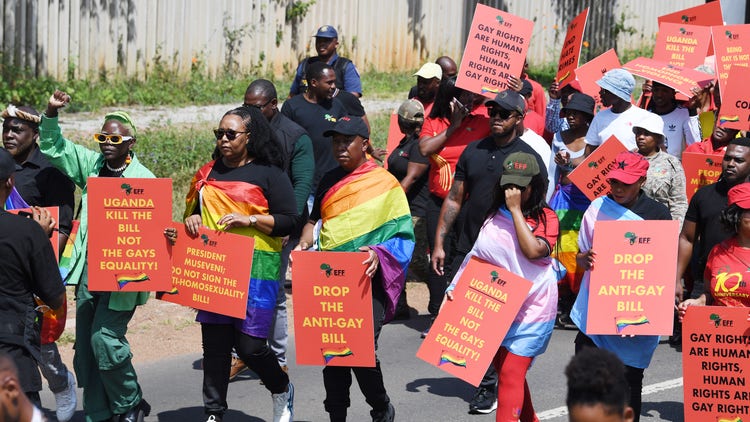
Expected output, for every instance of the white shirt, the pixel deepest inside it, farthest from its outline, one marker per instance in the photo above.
(539, 145)
(680, 130)
(607, 123)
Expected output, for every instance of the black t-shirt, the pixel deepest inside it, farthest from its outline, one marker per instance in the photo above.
(27, 260)
(650, 209)
(407, 152)
(479, 167)
(41, 184)
(704, 210)
(316, 119)
(351, 103)
(275, 185)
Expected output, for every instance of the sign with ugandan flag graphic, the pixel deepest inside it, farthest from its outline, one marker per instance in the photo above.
(332, 302)
(735, 104)
(469, 329)
(211, 271)
(127, 250)
(632, 282)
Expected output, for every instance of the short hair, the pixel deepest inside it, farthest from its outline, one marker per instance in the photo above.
(597, 377)
(743, 142)
(315, 71)
(262, 87)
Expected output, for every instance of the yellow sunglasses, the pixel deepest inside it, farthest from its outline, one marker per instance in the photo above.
(112, 139)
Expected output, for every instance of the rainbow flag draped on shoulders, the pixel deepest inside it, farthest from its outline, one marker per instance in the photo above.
(368, 207)
(218, 198)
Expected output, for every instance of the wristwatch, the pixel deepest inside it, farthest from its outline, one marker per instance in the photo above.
(253, 220)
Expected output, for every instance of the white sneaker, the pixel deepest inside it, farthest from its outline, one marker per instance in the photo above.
(283, 405)
(66, 400)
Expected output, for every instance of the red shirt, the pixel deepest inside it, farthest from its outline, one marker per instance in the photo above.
(706, 147)
(728, 268)
(538, 101)
(532, 120)
(443, 163)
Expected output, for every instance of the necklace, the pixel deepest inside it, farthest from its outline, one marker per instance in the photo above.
(117, 170)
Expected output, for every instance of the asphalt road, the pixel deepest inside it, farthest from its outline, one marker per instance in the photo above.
(419, 392)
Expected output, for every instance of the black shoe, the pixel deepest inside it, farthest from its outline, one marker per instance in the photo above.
(387, 415)
(137, 413)
(483, 402)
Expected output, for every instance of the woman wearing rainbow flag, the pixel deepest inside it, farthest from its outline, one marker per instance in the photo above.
(244, 191)
(362, 208)
(102, 360)
(626, 202)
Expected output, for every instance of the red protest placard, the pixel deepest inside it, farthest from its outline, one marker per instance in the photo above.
(127, 249)
(681, 79)
(55, 237)
(394, 137)
(681, 44)
(735, 100)
(731, 46)
(332, 302)
(469, 329)
(716, 363)
(496, 48)
(591, 175)
(708, 14)
(211, 271)
(632, 283)
(700, 170)
(593, 70)
(571, 49)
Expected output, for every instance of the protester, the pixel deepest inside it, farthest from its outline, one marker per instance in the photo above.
(366, 202)
(569, 203)
(596, 388)
(455, 120)
(102, 360)
(28, 268)
(14, 405)
(679, 129)
(626, 202)
(326, 43)
(531, 119)
(428, 82)
(316, 112)
(477, 172)
(298, 161)
(538, 99)
(409, 167)
(39, 183)
(665, 181)
(519, 236)
(616, 89)
(448, 66)
(728, 258)
(243, 191)
(554, 121)
(717, 143)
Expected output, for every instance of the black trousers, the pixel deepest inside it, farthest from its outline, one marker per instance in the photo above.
(338, 379)
(218, 341)
(436, 284)
(634, 376)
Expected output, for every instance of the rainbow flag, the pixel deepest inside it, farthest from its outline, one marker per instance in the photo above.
(340, 352)
(569, 204)
(486, 89)
(123, 279)
(725, 119)
(737, 419)
(623, 322)
(368, 207)
(447, 357)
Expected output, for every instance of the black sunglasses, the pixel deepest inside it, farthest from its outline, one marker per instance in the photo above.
(496, 111)
(259, 107)
(229, 133)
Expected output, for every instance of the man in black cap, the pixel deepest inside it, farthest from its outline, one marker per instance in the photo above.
(362, 208)
(326, 42)
(477, 172)
(29, 268)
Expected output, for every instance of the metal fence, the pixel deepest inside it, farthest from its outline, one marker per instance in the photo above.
(79, 38)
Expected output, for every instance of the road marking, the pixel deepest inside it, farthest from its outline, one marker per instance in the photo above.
(562, 411)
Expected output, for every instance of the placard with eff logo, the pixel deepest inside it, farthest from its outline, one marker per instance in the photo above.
(700, 170)
(591, 175)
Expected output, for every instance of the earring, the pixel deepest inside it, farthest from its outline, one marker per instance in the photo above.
(127, 159)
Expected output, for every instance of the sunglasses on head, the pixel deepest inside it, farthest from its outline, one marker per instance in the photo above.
(229, 133)
(112, 139)
(501, 112)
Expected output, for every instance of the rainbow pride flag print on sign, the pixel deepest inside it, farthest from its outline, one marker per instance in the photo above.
(335, 352)
(623, 322)
(123, 279)
(448, 357)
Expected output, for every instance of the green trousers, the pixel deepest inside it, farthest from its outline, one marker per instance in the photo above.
(102, 358)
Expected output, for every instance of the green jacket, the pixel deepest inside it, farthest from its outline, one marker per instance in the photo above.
(80, 163)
